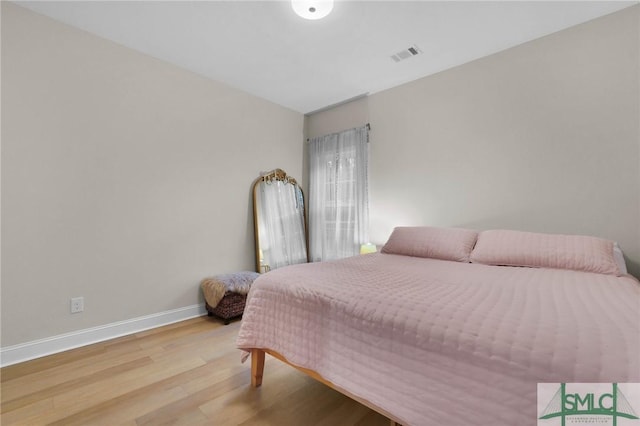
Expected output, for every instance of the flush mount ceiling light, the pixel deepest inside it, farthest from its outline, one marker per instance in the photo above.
(312, 9)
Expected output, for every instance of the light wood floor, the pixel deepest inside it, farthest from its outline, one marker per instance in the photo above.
(187, 373)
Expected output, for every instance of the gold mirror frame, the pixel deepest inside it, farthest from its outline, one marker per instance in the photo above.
(275, 175)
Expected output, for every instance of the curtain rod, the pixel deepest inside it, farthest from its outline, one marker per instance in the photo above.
(368, 126)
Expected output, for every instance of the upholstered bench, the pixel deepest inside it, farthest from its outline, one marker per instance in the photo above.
(226, 294)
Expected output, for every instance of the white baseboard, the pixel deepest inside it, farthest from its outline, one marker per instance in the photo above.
(63, 342)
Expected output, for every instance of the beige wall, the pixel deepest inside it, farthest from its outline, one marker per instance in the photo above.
(541, 137)
(343, 117)
(124, 179)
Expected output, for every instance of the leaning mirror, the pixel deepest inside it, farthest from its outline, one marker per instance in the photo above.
(279, 220)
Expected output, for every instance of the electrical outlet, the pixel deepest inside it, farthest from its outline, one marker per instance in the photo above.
(77, 305)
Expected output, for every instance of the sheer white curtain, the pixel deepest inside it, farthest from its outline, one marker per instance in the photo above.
(282, 235)
(338, 194)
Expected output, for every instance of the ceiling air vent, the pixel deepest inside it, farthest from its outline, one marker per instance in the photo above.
(410, 52)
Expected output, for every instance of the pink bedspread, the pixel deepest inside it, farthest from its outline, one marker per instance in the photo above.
(446, 343)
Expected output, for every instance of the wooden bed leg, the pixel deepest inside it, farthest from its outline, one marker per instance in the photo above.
(257, 367)
(394, 423)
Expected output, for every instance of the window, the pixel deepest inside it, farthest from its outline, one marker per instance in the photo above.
(338, 194)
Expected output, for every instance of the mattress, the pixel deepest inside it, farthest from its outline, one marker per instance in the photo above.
(442, 342)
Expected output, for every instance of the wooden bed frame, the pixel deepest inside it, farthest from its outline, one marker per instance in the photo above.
(257, 370)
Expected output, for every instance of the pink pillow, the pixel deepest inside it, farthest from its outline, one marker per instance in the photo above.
(436, 243)
(517, 248)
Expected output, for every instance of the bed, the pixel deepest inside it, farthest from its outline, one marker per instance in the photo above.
(452, 326)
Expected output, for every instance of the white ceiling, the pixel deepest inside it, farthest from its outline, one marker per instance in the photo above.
(263, 48)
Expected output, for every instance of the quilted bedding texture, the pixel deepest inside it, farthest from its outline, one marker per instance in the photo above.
(446, 343)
